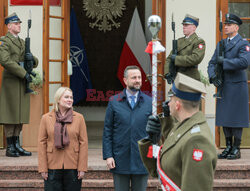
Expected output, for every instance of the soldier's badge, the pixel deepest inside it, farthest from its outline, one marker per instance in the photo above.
(197, 154)
(1, 43)
(247, 48)
(200, 46)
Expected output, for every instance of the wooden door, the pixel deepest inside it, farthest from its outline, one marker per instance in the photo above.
(3, 30)
(55, 49)
(159, 8)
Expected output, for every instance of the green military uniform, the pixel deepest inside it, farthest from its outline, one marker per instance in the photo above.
(188, 155)
(190, 53)
(190, 50)
(14, 102)
(177, 154)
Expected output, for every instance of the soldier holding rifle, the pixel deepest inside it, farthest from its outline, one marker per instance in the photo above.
(14, 96)
(187, 52)
(232, 115)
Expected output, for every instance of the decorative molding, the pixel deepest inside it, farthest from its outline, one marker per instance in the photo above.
(104, 12)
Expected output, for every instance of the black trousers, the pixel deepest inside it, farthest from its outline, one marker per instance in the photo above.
(233, 132)
(62, 180)
(137, 182)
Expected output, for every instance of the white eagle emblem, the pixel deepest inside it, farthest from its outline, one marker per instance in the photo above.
(197, 154)
(104, 11)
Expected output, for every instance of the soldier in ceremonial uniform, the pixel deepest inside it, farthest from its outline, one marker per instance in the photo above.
(14, 102)
(187, 158)
(190, 50)
(232, 116)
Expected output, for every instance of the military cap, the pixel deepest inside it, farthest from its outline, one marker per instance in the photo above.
(13, 18)
(232, 19)
(189, 19)
(187, 88)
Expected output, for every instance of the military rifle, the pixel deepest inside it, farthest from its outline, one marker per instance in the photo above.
(29, 60)
(219, 66)
(172, 68)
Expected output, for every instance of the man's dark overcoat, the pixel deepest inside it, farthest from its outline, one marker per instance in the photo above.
(233, 109)
(123, 127)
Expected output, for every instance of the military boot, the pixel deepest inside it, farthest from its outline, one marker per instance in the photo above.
(235, 152)
(21, 151)
(227, 150)
(11, 150)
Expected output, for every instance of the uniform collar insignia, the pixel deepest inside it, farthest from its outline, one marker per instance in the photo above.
(187, 42)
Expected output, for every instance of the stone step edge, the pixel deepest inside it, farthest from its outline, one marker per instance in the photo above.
(88, 183)
(233, 167)
(232, 183)
(34, 175)
(229, 167)
(35, 168)
(108, 183)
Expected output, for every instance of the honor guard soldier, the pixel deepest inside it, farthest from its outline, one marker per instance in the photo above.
(232, 116)
(187, 158)
(187, 53)
(14, 102)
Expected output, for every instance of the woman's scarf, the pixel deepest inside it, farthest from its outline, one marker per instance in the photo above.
(61, 135)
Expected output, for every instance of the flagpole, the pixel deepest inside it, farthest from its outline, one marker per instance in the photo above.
(154, 80)
(154, 25)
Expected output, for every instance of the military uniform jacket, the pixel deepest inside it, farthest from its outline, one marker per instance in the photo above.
(14, 102)
(188, 156)
(190, 53)
(230, 113)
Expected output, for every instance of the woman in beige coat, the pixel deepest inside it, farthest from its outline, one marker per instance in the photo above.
(62, 145)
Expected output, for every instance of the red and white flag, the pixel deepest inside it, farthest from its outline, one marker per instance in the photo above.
(133, 52)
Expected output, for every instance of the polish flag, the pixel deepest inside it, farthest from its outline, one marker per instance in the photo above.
(133, 52)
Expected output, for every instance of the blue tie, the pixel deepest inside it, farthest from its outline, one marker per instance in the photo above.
(132, 103)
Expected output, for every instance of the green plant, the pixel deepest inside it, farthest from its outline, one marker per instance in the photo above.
(36, 83)
(204, 79)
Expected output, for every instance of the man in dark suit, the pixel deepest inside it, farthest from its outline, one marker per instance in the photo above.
(232, 115)
(125, 124)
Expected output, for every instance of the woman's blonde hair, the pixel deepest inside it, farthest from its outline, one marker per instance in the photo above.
(59, 92)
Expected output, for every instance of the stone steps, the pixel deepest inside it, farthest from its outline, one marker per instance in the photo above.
(21, 174)
(231, 185)
(31, 173)
(87, 184)
(233, 175)
(27, 178)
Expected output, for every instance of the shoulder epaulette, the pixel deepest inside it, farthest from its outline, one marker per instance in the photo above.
(195, 129)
